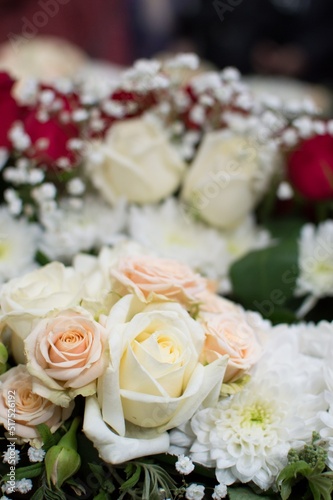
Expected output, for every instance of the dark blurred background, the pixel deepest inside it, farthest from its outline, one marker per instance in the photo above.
(293, 38)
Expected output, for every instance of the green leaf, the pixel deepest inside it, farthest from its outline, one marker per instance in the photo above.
(288, 477)
(54, 495)
(39, 494)
(283, 315)
(132, 480)
(286, 489)
(321, 487)
(41, 258)
(48, 438)
(101, 496)
(78, 488)
(29, 471)
(146, 486)
(286, 227)
(246, 494)
(98, 472)
(293, 470)
(108, 486)
(264, 280)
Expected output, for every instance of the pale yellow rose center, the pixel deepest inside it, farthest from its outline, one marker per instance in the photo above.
(158, 359)
(163, 348)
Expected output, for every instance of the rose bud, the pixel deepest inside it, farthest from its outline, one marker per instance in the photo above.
(62, 460)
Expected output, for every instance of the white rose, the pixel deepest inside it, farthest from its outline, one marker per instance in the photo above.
(27, 299)
(154, 381)
(228, 177)
(43, 58)
(96, 292)
(137, 162)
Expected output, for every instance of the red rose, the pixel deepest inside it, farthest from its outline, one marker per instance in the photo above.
(50, 140)
(310, 168)
(9, 109)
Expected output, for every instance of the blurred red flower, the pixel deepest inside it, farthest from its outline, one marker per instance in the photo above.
(310, 168)
(50, 141)
(9, 110)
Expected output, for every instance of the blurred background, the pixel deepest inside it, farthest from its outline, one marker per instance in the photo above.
(287, 38)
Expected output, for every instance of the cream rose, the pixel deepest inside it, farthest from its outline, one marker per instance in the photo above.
(136, 162)
(222, 184)
(26, 299)
(30, 408)
(66, 355)
(97, 296)
(41, 57)
(230, 333)
(154, 381)
(151, 277)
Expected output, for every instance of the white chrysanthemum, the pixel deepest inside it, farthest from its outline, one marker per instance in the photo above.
(78, 228)
(314, 340)
(18, 245)
(181, 439)
(327, 431)
(246, 237)
(171, 232)
(316, 260)
(247, 436)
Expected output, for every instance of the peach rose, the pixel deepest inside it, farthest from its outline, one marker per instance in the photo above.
(66, 355)
(230, 332)
(30, 409)
(212, 303)
(151, 278)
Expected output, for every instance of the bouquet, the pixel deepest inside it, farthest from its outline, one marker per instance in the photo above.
(166, 267)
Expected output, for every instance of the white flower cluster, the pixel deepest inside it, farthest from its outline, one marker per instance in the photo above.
(82, 227)
(172, 231)
(22, 486)
(247, 436)
(7, 456)
(184, 465)
(315, 279)
(36, 454)
(144, 76)
(19, 242)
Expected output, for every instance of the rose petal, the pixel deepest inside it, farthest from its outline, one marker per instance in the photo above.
(117, 449)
